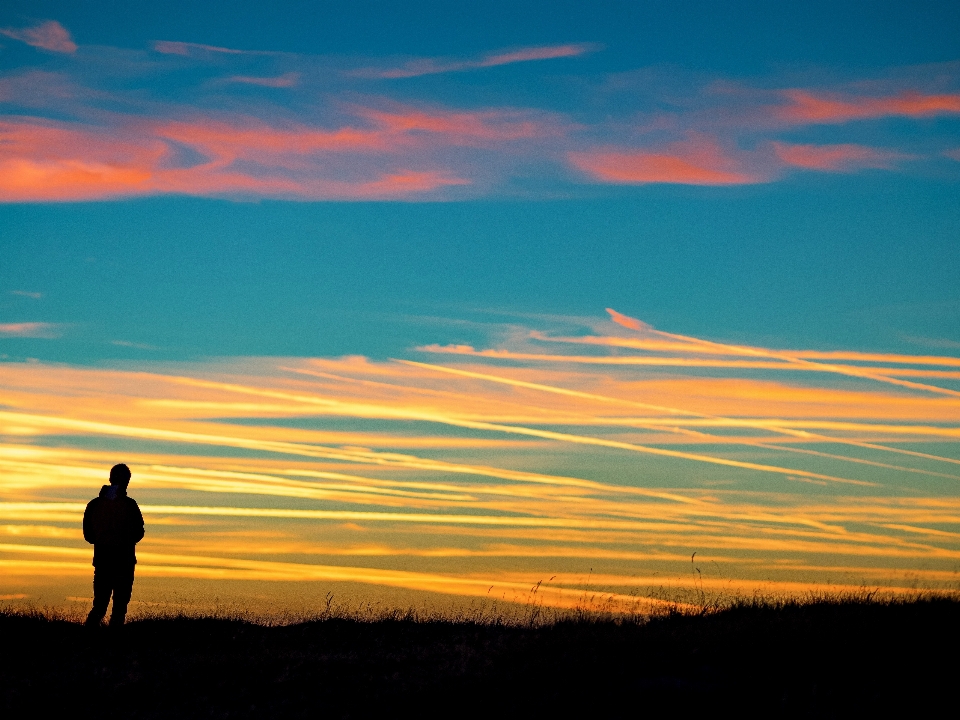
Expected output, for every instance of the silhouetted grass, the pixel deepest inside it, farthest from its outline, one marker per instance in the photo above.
(823, 657)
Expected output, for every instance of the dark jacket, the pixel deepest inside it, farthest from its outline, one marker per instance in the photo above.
(113, 524)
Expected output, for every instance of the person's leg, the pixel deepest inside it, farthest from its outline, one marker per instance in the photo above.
(122, 590)
(102, 586)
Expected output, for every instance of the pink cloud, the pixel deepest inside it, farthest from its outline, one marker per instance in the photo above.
(806, 107)
(459, 128)
(247, 138)
(696, 161)
(433, 66)
(43, 160)
(835, 158)
(628, 322)
(49, 35)
(46, 161)
(286, 80)
(30, 330)
(953, 154)
(396, 131)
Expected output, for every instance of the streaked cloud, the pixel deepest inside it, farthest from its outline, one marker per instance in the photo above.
(460, 128)
(512, 588)
(434, 66)
(48, 35)
(44, 160)
(812, 107)
(835, 158)
(31, 330)
(377, 151)
(134, 345)
(27, 293)
(627, 321)
(942, 343)
(499, 467)
(287, 80)
(187, 49)
(85, 131)
(696, 161)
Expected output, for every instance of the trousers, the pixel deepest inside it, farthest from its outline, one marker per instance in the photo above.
(116, 580)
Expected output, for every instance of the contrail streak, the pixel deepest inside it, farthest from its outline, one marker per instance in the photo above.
(740, 423)
(793, 359)
(664, 346)
(784, 363)
(551, 435)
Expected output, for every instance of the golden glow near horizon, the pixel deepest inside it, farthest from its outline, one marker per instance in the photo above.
(613, 469)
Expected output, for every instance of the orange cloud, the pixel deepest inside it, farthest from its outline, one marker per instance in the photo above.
(627, 321)
(49, 35)
(431, 66)
(400, 490)
(674, 346)
(883, 375)
(30, 330)
(696, 161)
(834, 158)
(807, 107)
(456, 413)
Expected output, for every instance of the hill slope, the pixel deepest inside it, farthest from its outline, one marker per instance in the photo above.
(824, 659)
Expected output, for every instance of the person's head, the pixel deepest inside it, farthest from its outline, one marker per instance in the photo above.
(120, 476)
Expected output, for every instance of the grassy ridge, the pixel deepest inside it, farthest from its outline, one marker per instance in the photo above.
(825, 658)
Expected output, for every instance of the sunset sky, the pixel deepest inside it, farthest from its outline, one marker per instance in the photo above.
(448, 303)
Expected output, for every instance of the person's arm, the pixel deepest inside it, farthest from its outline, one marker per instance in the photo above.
(136, 529)
(90, 522)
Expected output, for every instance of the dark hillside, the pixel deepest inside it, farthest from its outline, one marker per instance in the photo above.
(824, 659)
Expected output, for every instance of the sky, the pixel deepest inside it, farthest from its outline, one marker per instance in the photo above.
(437, 303)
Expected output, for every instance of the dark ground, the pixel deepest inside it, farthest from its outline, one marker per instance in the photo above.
(823, 659)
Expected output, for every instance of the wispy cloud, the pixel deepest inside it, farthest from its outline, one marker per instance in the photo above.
(287, 80)
(31, 330)
(43, 160)
(765, 475)
(462, 127)
(383, 150)
(627, 321)
(812, 107)
(434, 66)
(27, 293)
(188, 49)
(943, 343)
(696, 161)
(134, 345)
(321, 139)
(884, 375)
(835, 158)
(49, 35)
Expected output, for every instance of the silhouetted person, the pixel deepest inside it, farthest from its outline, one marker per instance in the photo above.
(113, 524)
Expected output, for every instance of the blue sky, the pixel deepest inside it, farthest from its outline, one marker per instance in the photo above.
(833, 231)
(191, 277)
